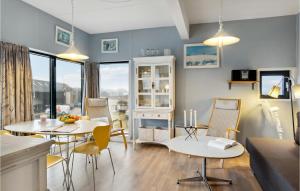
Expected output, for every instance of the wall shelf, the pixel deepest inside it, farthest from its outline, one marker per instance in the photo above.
(252, 83)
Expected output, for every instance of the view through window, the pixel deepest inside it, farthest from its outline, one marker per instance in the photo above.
(41, 84)
(68, 88)
(114, 84)
(68, 85)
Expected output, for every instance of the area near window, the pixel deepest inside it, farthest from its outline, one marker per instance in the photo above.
(114, 84)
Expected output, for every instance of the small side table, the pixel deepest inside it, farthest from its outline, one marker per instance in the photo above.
(191, 130)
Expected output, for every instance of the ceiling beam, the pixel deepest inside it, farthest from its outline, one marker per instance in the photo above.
(180, 18)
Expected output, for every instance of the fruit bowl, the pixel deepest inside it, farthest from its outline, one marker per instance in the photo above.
(69, 119)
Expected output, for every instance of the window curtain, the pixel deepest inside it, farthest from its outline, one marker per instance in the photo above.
(16, 84)
(91, 87)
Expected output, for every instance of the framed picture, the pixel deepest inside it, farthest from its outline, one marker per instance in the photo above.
(201, 56)
(109, 45)
(63, 36)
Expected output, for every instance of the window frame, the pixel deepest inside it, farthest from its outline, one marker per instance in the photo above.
(52, 80)
(285, 73)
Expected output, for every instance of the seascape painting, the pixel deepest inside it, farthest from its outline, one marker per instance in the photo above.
(201, 56)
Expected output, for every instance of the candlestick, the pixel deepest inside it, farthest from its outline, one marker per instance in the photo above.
(195, 116)
(184, 117)
(191, 117)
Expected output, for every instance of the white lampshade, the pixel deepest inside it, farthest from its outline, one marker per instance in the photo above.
(72, 53)
(220, 39)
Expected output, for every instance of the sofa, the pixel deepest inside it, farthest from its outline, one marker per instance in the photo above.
(275, 163)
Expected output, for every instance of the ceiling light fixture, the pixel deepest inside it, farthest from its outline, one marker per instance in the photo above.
(221, 38)
(72, 53)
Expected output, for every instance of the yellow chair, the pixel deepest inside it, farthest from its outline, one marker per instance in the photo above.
(101, 136)
(4, 132)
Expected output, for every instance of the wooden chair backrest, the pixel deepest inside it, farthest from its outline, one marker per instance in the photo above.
(97, 108)
(221, 119)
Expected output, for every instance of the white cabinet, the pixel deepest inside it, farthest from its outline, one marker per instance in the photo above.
(155, 82)
(155, 93)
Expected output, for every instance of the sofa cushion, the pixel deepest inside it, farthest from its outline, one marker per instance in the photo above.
(275, 163)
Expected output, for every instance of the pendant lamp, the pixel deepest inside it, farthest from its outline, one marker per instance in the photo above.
(221, 38)
(72, 53)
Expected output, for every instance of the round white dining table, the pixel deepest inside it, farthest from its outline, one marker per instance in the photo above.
(55, 127)
(199, 147)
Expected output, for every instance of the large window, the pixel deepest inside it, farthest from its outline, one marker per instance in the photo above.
(41, 84)
(68, 87)
(114, 84)
(57, 85)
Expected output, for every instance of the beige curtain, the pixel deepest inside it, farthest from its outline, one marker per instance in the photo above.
(91, 87)
(16, 84)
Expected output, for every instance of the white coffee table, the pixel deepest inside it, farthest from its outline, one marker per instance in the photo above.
(199, 148)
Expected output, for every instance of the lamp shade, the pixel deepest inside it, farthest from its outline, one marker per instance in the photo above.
(220, 39)
(72, 53)
(274, 92)
(296, 91)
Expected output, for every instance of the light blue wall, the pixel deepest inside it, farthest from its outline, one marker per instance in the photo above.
(23, 24)
(269, 42)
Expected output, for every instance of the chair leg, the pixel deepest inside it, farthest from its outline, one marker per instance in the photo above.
(124, 138)
(112, 163)
(61, 154)
(96, 161)
(93, 173)
(72, 163)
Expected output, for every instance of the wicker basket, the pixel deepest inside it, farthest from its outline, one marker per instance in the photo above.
(161, 134)
(146, 134)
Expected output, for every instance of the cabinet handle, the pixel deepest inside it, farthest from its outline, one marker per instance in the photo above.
(153, 85)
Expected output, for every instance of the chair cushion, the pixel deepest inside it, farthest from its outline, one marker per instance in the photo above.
(89, 148)
(226, 104)
(53, 160)
(275, 163)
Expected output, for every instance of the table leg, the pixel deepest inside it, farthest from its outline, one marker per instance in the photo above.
(203, 178)
(69, 182)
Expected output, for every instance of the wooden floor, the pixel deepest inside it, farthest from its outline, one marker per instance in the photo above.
(152, 168)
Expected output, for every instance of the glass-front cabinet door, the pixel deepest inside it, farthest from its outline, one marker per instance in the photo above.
(162, 86)
(144, 86)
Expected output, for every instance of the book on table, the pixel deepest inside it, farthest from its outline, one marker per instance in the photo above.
(222, 143)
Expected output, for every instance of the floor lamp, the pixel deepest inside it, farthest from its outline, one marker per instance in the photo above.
(294, 92)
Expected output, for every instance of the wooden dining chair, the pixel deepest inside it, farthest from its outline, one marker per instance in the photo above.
(101, 135)
(98, 108)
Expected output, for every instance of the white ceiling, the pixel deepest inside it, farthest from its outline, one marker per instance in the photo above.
(100, 16)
